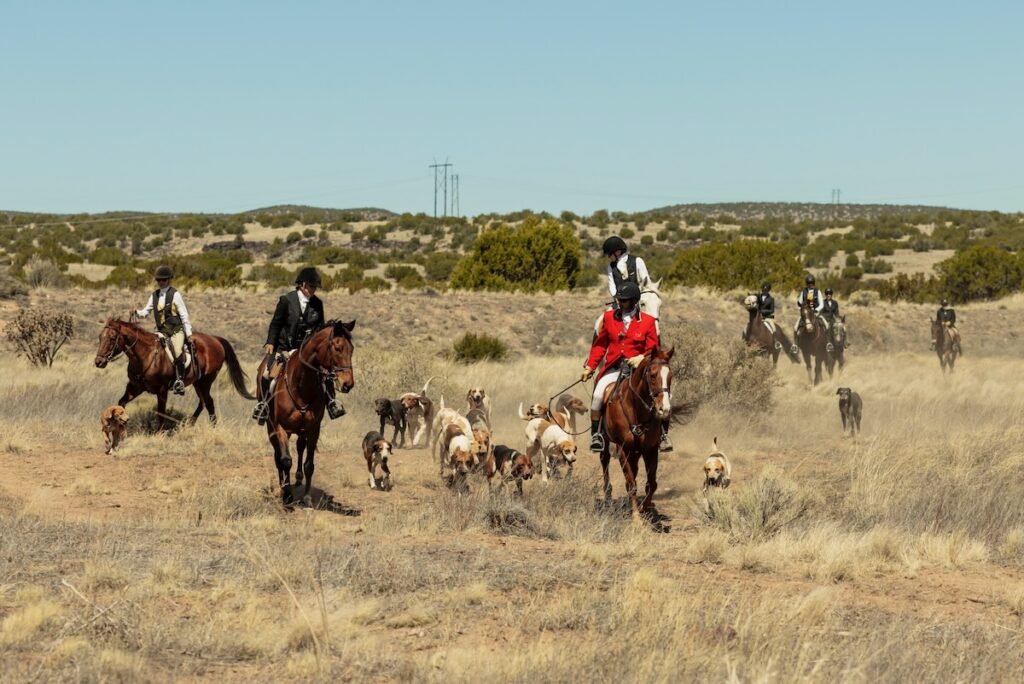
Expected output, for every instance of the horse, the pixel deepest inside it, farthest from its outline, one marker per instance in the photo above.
(650, 304)
(633, 415)
(150, 369)
(839, 337)
(770, 341)
(945, 345)
(300, 397)
(814, 341)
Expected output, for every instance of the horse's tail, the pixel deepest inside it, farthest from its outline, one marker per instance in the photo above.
(787, 346)
(238, 377)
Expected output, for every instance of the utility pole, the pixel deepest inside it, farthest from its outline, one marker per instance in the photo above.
(438, 183)
(455, 194)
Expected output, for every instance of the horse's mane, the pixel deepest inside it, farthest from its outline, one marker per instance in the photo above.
(134, 327)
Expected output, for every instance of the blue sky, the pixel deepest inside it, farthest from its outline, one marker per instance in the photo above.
(225, 106)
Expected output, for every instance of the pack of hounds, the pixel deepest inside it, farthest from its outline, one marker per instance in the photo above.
(462, 443)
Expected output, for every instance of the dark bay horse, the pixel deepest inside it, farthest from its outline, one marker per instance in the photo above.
(150, 369)
(758, 335)
(813, 342)
(632, 420)
(322, 363)
(946, 346)
(839, 338)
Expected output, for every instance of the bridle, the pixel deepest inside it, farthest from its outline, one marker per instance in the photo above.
(325, 375)
(653, 394)
(118, 336)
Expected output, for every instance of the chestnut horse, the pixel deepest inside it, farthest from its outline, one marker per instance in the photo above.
(945, 345)
(770, 342)
(300, 397)
(150, 369)
(813, 341)
(632, 421)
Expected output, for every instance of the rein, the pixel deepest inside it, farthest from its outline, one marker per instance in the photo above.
(324, 375)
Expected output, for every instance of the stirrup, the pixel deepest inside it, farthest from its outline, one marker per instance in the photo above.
(829, 347)
(794, 349)
(178, 387)
(597, 442)
(261, 412)
(335, 408)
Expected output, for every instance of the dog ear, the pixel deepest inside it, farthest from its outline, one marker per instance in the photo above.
(839, 391)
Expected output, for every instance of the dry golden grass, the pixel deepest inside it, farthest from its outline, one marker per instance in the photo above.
(898, 555)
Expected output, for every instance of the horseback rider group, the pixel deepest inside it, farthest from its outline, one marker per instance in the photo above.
(826, 309)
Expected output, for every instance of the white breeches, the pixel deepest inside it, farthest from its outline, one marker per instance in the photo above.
(602, 383)
(175, 343)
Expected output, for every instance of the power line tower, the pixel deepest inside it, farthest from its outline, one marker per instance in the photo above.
(836, 197)
(438, 184)
(455, 194)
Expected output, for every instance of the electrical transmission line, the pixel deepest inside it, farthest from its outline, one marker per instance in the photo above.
(455, 195)
(441, 177)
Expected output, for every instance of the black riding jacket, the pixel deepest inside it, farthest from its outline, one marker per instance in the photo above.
(766, 305)
(289, 326)
(830, 308)
(946, 313)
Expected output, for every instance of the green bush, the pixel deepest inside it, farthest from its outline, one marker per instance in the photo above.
(647, 240)
(412, 281)
(127, 278)
(293, 237)
(852, 260)
(627, 233)
(273, 275)
(537, 255)
(472, 347)
(853, 272)
(397, 272)
(110, 256)
(439, 265)
(738, 264)
(980, 273)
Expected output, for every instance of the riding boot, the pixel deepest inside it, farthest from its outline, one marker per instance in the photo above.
(596, 438)
(178, 387)
(334, 407)
(666, 442)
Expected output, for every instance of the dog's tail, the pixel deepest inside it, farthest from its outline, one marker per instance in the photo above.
(442, 404)
(521, 414)
(714, 444)
(423, 392)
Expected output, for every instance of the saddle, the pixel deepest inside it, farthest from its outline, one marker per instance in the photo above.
(770, 324)
(186, 351)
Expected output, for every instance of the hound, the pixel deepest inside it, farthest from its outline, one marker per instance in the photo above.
(114, 423)
(508, 464)
(850, 409)
(534, 411)
(456, 454)
(392, 411)
(572, 406)
(553, 445)
(419, 413)
(376, 451)
(476, 398)
(717, 469)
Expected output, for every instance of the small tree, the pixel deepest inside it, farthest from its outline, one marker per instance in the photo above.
(38, 334)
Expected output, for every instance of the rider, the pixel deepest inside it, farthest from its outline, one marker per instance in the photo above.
(830, 312)
(172, 321)
(299, 314)
(809, 294)
(947, 316)
(622, 266)
(625, 338)
(766, 305)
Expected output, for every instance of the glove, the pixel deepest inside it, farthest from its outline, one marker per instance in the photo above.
(635, 361)
(269, 348)
(586, 374)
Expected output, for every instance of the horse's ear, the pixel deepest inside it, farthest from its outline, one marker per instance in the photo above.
(342, 328)
(667, 355)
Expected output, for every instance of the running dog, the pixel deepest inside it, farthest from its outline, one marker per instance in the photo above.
(419, 414)
(552, 443)
(850, 409)
(717, 469)
(477, 399)
(376, 451)
(114, 422)
(507, 464)
(392, 411)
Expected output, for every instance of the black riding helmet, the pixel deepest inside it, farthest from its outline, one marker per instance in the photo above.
(614, 244)
(945, 302)
(828, 290)
(628, 290)
(809, 280)
(309, 276)
(162, 272)
(766, 287)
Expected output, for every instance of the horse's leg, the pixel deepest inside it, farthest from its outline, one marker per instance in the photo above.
(630, 474)
(131, 391)
(651, 468)
(276, 443)
(310, 465)
(161, 409)
(285, 465)
(300, 450)
(807, 364)
(606, 458)
(203, 388)
(817, 370)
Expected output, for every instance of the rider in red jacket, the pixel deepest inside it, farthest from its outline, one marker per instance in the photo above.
(626, 336)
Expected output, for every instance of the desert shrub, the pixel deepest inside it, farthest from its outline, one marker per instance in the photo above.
(399, 271)
(372, 284)
(110, 256)
(316, 254)
(853, 272)
(725, 374)
(309, 233)
(537, 255)
(126, 277)
(412, 281)
(760, 511)
(293, 237)
(39, 333)
(627, 233)
(738, 264)
(852, 260)
(876, 266)
(864, 298)
(273, 275)
(218, 269)
(43, 273)
(980, 273)
(916, 288)
(647, 240)
(472, 347)
(439, 265)
(10, 286)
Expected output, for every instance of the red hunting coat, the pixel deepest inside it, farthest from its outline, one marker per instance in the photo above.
(614, 342)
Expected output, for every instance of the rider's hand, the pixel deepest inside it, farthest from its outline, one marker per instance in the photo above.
(586, 374)
(269, 348)
(635, 361)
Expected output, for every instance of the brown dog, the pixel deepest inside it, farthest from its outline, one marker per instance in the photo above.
(717, 469)
(114, 422)
(457, 457)
(573, 406)
(377, 451)
(419, 414)
(507, 464)
(476, 398)
(481, 445)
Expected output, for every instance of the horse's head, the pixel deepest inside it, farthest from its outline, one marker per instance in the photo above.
(334, 354)
(750, 301)
(658, 376)
(650, 299)
(111, 342)
(809, 316)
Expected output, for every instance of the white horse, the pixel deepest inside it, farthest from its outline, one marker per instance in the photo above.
(650, 304)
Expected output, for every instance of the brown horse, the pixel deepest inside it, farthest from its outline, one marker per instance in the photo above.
(813, 341)
(946, 346)
(150, 369)
(632, 421)
(758, 335)
(320, 364)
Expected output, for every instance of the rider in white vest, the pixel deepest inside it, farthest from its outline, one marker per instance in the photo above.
(172, 321)
(622, 266)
